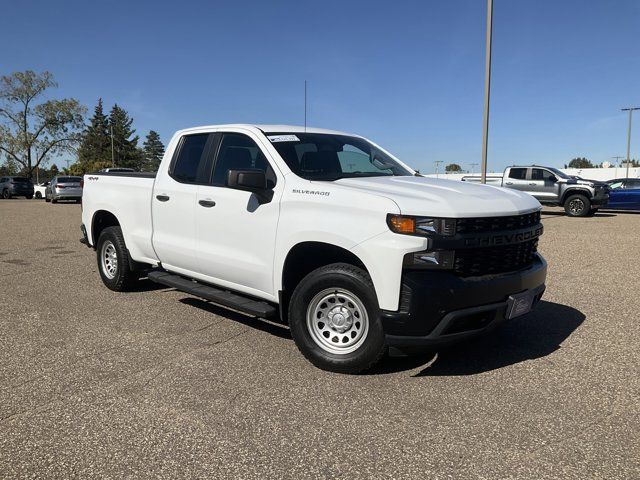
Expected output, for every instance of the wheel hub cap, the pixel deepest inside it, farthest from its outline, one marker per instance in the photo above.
(340, 319)
(109, 259)
(337, 321)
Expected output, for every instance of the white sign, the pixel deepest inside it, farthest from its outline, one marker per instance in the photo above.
(283, 138)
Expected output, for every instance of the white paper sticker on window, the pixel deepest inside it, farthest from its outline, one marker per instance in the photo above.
(283, 138)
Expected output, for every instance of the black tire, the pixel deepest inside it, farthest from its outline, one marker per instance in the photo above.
(29, 197)
(121, 278)
(370, 344)
(53, 200)
(47, 199)
(6, 194)
(38, 195)
(577, 205)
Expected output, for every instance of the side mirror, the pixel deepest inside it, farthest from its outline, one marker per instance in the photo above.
(254, 181)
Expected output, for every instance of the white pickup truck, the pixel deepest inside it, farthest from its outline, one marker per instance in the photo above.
(350, 246)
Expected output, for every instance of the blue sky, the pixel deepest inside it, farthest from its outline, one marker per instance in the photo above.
(407, 74)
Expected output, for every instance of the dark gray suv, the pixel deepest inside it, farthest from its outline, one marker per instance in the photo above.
(16, 187)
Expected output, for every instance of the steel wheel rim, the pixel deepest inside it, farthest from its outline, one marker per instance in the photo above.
(576, 205)
(337, 321)
(109, 259)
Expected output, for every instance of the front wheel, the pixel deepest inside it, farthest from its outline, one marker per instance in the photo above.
(113, 260)
(577, 206)
(38, 195)
(6, 194)
(335, 319)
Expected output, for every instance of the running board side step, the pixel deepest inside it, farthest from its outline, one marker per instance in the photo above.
(224, 298)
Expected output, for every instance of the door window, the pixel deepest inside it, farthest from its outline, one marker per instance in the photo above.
(518, 173)
(239, 152)
(189, 164)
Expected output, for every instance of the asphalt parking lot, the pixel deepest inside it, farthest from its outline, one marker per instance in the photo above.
(157, 383)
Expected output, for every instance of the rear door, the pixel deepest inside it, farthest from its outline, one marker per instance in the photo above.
(236, 233)
(173, 202)
(517, 179)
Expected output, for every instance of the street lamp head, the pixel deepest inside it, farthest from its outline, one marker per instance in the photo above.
(629, 109)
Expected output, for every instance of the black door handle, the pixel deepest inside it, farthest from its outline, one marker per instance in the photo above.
(162, 198)
(207, 203)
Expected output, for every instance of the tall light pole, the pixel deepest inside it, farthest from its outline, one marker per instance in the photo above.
(487, 91)
(437, 164)
(630, 110)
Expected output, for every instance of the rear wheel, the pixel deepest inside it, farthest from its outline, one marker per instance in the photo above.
(113, 260)
(577, 205)
(6, 194)
(335, 319)
(38, 195)
(29, 197)
(53, 200)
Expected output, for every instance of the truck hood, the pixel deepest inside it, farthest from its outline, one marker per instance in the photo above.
(581, 181)
(445, 198)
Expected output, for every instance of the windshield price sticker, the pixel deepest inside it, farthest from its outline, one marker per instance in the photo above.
(283, 138)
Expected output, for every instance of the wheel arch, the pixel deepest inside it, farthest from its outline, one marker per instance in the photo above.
(576, 191)
(304, 257)
(100, 220)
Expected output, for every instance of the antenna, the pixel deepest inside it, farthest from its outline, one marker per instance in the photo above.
(305, 106)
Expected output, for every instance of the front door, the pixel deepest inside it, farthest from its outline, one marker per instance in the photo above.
(543, 185)
(173, 203)
(235, 232)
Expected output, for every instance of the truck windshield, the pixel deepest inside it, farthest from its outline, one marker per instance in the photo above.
(321, 156)
(559, 173)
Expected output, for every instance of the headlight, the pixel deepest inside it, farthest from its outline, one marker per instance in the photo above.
(436, 260)
(423, 226)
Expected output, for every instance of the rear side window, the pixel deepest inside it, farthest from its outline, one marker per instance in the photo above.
(189, 163)
(518, 173)
(20, 180)
(633, 184)
(69, 180)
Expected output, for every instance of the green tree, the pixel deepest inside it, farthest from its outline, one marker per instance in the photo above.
(96, 142)
(580, 162)
(453, 167)
(31, 133)
(153, 151)
(125, 142)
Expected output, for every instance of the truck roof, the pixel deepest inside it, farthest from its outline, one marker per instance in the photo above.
(268, 128)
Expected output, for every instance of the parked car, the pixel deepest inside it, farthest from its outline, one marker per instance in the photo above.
(349, 245)
(550, 186)
(16, 187)
(624, 194)
(64, 188)
(40, 189)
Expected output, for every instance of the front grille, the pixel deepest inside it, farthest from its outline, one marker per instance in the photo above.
(491, 260)
(492, 224)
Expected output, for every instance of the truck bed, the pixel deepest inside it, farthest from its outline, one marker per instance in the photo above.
(127, 195)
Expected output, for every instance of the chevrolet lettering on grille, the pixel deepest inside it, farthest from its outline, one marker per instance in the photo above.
(504, 238)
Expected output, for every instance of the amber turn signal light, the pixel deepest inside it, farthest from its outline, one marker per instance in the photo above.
(400, 224)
